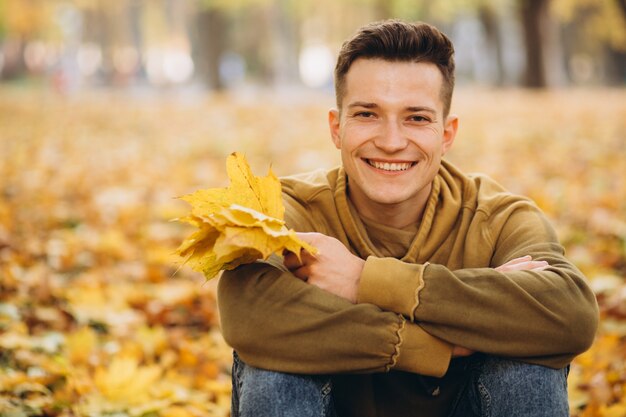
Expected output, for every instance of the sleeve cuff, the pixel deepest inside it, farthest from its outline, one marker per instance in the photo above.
(422, 353)
(392, 285)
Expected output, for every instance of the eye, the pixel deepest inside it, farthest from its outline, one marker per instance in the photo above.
(365, 114)
(418, 118)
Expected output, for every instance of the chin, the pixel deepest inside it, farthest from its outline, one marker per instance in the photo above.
(389, 198)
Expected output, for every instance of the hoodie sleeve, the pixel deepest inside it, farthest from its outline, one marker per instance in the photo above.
(544, 317)
(275, 321)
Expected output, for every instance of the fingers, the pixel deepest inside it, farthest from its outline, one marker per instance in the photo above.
(458, 351)
(530, 266)
(516, 261)
(524, 263)
(301, 268)
(301, 273)
(541, 267)
(291, 261)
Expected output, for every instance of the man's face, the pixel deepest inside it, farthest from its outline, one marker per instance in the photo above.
(391, 133)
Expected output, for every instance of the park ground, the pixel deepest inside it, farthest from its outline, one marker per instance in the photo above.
(97, 317)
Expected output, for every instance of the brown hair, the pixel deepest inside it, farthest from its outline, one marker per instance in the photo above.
(394, 40)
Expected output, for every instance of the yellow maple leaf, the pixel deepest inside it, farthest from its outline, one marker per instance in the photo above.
(257, 193)
(238, 224)
(127, 382)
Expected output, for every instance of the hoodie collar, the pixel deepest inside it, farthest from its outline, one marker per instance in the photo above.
(439, 218)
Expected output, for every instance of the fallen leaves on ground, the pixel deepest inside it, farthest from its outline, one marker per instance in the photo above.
(95, 318)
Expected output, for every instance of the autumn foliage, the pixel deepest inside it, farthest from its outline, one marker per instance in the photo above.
(98, 316)
(238, 224)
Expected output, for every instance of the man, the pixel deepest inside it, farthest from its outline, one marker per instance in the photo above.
(433, 293)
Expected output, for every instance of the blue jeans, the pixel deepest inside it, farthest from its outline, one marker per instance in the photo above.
(496, 388)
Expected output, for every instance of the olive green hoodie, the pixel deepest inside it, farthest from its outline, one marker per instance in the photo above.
(421, 292)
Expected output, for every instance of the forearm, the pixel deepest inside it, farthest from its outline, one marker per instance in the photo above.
(549, 314)
(278, 322)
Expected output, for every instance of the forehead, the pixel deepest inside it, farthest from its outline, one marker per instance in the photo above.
(393, 83)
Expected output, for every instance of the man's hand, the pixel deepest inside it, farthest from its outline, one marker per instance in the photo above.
(333, 268)
(459, 351)
(525, 263)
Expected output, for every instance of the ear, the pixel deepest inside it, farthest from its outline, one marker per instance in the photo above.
(449, 132)
(334, 126)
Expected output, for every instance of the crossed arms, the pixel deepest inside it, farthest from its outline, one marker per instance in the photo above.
(409, 316)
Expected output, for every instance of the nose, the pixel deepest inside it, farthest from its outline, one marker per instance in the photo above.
(390, 138)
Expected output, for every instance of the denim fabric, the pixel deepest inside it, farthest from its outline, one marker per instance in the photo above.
(497, 388)
(504, 388)
(261, 393)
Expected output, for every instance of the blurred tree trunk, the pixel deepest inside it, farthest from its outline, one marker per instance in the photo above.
(286, 46)
(13, 65)
(102, 22)
(210, 46)
(534, 17)
(622, 6)
(134, 11)
(254, 45)
(616, 71)
(616, 66)
(489, 20)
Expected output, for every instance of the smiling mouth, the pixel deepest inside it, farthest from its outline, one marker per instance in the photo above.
(390, 166)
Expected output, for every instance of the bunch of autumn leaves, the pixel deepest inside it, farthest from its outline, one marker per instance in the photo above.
(238, 224)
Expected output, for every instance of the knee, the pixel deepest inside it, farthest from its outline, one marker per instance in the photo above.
(531, 390)
(515, 373)
(260, 392)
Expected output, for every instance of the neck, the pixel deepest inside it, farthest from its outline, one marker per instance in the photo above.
(398, 215)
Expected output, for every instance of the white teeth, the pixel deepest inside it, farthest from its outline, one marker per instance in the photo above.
(402, 166)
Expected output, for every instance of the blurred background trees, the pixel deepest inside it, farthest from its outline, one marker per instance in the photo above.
(234, 44)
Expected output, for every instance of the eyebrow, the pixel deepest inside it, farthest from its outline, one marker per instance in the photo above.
(363, 104)
(369, 105)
